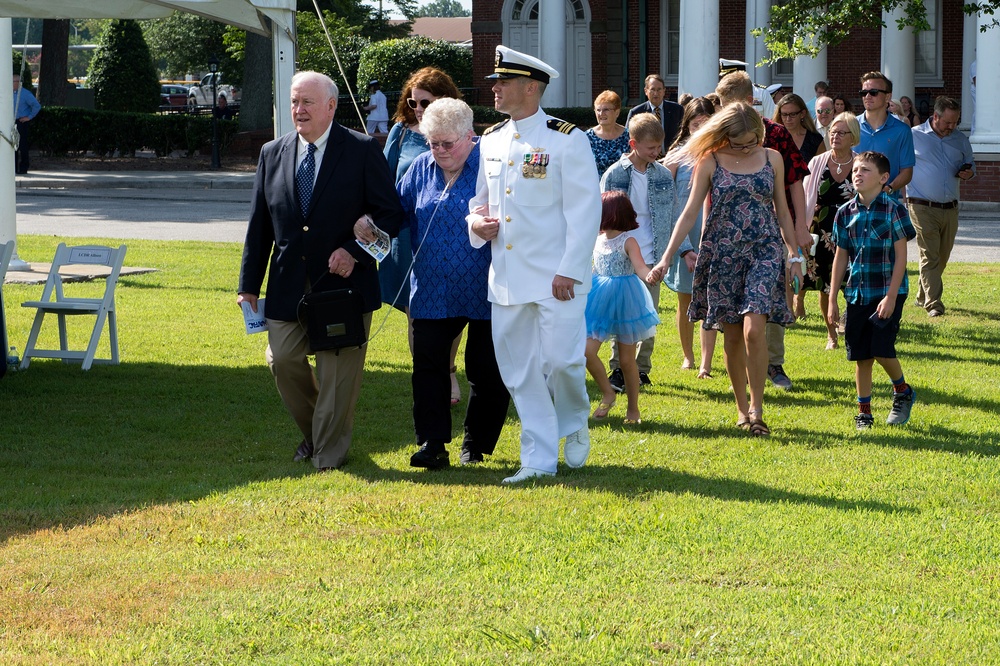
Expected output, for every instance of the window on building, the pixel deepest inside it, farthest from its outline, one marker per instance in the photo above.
(670, 16)
(519, 12)
(927, 49)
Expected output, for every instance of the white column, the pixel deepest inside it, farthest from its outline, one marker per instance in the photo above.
(987, 136)
(552, 48)
(698, 66)
(283, 64)
(897, 54)
(758, 14)
(807, 71)
(970, 33)
(8, 203)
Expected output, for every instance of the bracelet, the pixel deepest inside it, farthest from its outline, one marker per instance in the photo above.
(796, 260)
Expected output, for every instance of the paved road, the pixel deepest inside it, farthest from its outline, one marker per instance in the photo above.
(215, 206)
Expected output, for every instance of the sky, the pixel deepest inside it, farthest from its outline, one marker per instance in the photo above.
(393, 14)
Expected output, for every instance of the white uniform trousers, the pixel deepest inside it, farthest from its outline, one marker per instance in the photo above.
(540, 353)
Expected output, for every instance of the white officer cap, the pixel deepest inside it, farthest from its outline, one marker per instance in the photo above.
(773, 88)
(727, 66)
(511, 64)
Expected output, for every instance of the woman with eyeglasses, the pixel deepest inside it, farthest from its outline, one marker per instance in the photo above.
(404, 143)
(748, 233)
(792, 112)
(609, 139)
(449, 290)
(829, 186)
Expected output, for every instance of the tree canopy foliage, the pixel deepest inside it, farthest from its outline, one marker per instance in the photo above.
(122, 73)
(183, 43)
(392, 61)
(443, 8)
(806, 27)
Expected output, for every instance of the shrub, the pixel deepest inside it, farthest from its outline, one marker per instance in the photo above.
(62, 130)
(122, 73)
(393, 60)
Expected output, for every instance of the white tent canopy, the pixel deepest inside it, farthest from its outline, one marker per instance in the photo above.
(273, 18)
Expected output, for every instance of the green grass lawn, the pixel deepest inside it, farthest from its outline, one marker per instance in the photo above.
(150, 513)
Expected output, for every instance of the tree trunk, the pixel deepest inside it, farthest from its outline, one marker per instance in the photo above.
(52, 70)
(256, 111)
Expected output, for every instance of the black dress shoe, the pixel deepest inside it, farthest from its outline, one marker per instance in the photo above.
(430, 456)
(617, 380)
(470, 457)
(304, 452)
(644, 379)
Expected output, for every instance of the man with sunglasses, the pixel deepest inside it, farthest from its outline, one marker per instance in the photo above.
(538, 204)
(884, 133)
(824, 117)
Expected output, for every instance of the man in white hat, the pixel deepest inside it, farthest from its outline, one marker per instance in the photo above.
(378, 119)
(538, 203)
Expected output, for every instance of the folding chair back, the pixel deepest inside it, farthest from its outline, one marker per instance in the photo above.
(55, 301)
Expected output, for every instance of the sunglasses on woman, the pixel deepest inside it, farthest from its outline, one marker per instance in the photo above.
(412, 103)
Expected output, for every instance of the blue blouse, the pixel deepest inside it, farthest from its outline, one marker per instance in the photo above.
(449, 276)
(607, 152)
(411, 145)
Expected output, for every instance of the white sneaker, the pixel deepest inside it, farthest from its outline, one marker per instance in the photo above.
(526, 473)
(577, 447)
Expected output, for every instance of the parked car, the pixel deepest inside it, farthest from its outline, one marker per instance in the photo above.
(201, 94)
(173, 95)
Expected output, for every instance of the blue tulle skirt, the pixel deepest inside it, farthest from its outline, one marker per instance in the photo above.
(620, 307)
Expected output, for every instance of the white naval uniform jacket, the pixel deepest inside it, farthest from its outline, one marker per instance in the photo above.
(548, 226)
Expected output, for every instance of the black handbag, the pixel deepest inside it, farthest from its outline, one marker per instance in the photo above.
(333, 319)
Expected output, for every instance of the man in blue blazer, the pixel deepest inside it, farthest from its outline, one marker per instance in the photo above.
(669, 113)
(312, 185)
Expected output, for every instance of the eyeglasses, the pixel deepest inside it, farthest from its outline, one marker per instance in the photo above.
(446, 146)
(790, 115)
(872, 92)
(745, 147)
(412, 103)
(838, 134)
(824, 112)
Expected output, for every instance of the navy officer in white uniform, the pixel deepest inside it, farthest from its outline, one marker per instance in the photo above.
(538, 203)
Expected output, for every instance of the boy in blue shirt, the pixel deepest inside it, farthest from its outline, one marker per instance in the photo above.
(870, 232)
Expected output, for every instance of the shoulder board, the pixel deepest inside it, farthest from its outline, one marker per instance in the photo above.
(560, 125)
(494, 128)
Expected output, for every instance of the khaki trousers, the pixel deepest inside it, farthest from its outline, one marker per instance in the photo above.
(322, 402)
(936, 230)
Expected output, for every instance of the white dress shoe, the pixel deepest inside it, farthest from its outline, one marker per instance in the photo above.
(577, 447)
(526, 473)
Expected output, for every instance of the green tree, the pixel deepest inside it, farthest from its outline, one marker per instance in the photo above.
(392, 61)
(805, 27)
(314, 49)
(122, 73)
(443, 8)
(184, 42)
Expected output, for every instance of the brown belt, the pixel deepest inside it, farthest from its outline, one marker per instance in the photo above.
(932, 204)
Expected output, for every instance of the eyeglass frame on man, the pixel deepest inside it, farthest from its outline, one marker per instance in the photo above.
(872, 92)
(824, 112)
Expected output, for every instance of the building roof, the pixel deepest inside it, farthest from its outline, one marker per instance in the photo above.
(457, 30)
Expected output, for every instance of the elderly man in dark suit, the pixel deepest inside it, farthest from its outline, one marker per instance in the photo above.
(312, 185)
(669, 113)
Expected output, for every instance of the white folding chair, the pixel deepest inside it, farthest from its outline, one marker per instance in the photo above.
(54, 301)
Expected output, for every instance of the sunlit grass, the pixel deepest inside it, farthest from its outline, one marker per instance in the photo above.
(150, 513)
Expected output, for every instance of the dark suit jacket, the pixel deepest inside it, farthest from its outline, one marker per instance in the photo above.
(673, 113)
(353, 179)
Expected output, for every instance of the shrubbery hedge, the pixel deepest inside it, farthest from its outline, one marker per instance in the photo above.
(64, 130)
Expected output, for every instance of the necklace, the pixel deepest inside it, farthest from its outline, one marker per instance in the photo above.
(840, 164)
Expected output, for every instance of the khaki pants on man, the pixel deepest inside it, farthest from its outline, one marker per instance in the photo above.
(936, 229)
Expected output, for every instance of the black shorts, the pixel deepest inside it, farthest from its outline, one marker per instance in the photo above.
(864, 340)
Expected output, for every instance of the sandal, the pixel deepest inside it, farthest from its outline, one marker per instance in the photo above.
(456, 391)
(705, 374)
(831, 344)
(757, 426)
(602, 410)
(743, 423)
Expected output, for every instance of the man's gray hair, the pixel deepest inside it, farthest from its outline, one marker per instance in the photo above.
(323, 79)
(446, 116)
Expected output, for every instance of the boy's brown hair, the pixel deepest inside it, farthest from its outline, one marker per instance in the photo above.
(645, 127)
(876, 159)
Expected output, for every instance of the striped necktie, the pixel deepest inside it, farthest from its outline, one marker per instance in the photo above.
(659, 116)
(304, 178)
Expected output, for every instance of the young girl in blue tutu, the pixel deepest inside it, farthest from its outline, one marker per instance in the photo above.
(618, 305)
